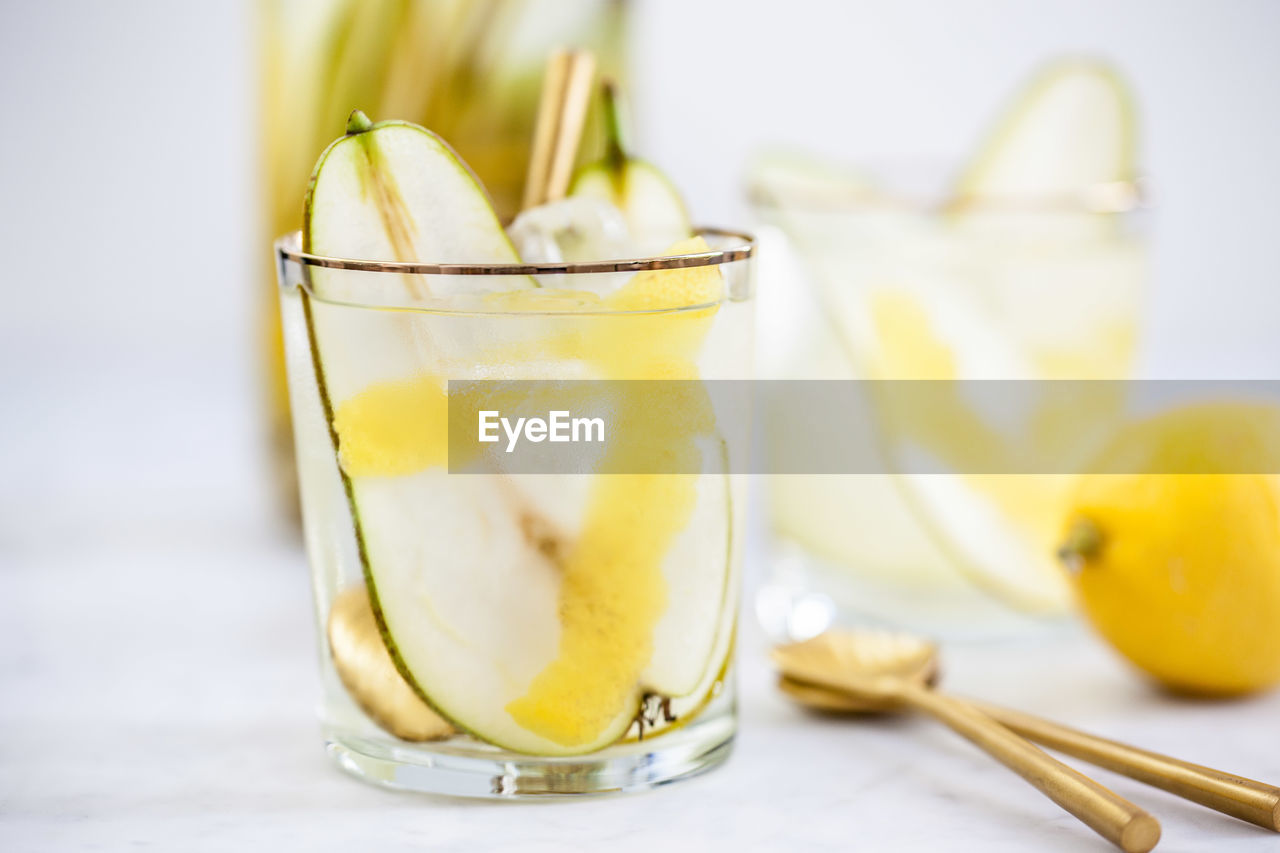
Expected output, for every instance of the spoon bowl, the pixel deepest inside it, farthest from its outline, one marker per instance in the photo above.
(868, 668)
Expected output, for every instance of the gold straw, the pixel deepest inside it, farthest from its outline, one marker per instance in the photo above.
(562, 111)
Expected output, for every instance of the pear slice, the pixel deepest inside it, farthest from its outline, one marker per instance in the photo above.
(656, 215)
(1071, 131)
(394, 191)
(647, 541)
(459, 577)
(698, 582)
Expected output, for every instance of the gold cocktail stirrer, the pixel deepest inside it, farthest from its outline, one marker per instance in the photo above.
(562, 111)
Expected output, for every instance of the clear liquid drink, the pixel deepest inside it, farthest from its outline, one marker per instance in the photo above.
(503, 633)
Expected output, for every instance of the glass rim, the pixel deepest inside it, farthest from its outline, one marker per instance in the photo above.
(288, 248)
(1106, 198)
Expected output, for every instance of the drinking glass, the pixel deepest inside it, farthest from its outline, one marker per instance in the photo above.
(515, 634)
(901, 283)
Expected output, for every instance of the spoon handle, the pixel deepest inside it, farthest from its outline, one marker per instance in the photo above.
(1114, 818)
(1246, 799)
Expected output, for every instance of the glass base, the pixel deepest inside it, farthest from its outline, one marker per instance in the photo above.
(805, 595)
(464, 769)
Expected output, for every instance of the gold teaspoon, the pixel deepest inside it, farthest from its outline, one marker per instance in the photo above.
(892, 671)
(1246, 799)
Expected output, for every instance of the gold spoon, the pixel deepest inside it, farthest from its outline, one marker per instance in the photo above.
(365, 667)
(1246, 799)
(887, 672)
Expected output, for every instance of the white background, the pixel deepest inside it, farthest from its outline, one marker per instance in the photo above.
(129, 440)
(127, 157)
(128, 197)
(128, 192)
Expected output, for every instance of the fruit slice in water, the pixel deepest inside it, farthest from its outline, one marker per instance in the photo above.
(641, 532)
(655, 213)
(996, 529)
(696, 572)
(457, 571)
(1071, 130)
(466, 588)
(613, 594)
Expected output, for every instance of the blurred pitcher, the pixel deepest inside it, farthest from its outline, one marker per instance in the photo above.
(471, 71)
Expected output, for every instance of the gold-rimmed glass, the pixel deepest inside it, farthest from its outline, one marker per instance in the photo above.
(356, 328)
(898, 279)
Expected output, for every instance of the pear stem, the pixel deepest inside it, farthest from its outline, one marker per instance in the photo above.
(615, 152)
(358, 122)
(1083, 542)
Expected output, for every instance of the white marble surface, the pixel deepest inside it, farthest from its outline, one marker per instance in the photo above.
(157, 686)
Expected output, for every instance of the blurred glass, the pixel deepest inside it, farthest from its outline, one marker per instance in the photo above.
(903, 284)
(470, 70)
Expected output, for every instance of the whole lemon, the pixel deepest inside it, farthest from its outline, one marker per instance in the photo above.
(1180, 570)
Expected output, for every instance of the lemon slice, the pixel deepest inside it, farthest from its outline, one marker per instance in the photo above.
(996, 530)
